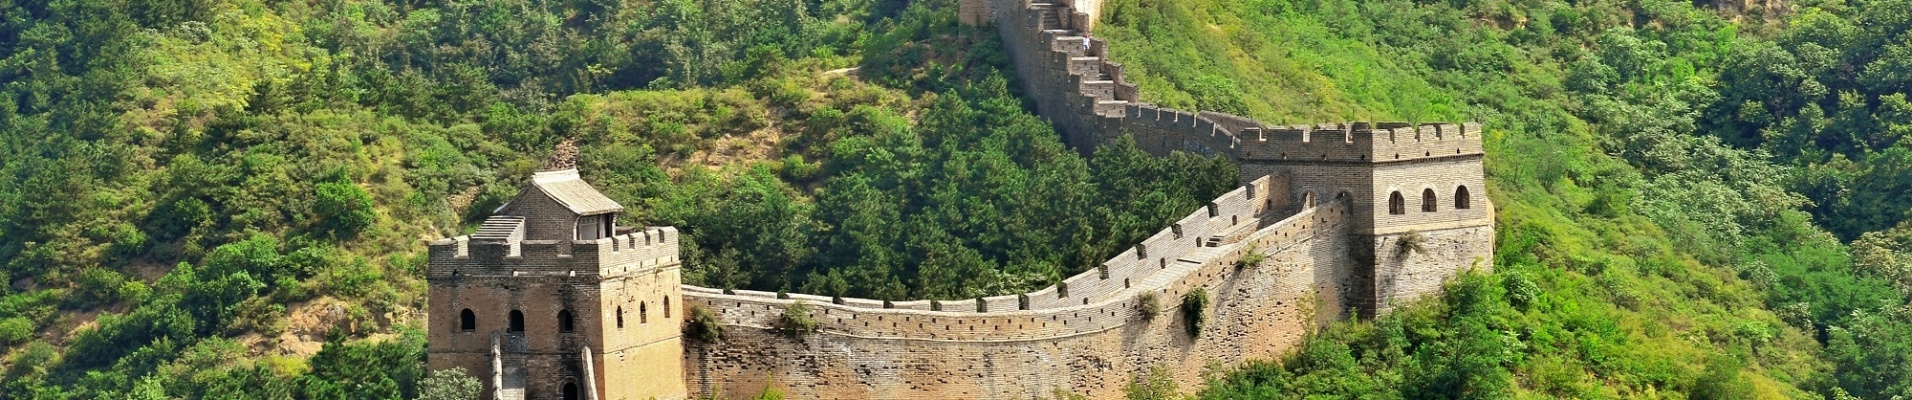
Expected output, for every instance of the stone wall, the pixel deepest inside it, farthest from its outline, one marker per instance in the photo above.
(604, 285)
(1316, 201)
(864, 351)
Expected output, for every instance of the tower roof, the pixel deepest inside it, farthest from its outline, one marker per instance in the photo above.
(565, 187)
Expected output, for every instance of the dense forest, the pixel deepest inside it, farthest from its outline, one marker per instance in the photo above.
(229, 198)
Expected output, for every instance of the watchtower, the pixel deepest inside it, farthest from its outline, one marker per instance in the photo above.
(1420, 211)
(550, 296)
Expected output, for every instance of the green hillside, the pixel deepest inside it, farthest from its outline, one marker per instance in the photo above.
(230, 198)
(1673, 184)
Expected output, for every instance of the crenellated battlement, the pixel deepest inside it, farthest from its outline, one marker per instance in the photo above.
(1316, 229)
(625, 253)
(1359, 142)
(1170, 263)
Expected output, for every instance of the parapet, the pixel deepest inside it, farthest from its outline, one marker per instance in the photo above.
(633, 251)
(1360, 142)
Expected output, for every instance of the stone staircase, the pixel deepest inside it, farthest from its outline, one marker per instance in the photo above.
(499, 227)
(1101, 80)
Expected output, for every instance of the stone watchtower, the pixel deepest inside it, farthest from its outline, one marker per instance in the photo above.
(550, 297)
(1420, 212)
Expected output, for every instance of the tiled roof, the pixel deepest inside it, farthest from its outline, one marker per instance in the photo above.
(567, 188)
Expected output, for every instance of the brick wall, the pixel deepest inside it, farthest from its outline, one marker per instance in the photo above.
(1315, 200)
(1094, 349)
(637, 273)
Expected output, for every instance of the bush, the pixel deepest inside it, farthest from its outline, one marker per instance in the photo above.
(343, 208)
(1252, 258)
(1148, 305)
(797, 319)
(1157, 384)
(704, 326)
(15, 330)
(1195, 309)
(1413, 241)
(449, 384)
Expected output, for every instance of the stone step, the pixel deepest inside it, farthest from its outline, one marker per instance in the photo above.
(1101, 90)
(1071, 45)
(1086, 66)
(498, 227)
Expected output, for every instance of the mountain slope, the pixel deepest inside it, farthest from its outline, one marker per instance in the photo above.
(1638, 256)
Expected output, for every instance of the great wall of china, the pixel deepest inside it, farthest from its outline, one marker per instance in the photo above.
(551, 300)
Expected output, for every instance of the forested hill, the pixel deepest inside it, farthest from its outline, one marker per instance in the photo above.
(231, 199)
(1694, 201)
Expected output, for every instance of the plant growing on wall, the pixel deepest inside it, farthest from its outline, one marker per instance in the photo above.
(703, 326)
(1413, 241)
(1195, 309)
(1148, 305)
(797, 319)
(1252, 258)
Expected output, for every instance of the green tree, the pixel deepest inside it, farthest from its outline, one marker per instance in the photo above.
(343, 208)
(449, 384)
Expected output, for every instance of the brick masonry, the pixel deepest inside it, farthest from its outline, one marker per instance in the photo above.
(1319, 202)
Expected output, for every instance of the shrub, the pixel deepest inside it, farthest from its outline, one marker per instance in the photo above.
(1413, 241)
(1252, 258)
(704, 326)
(449, 384)
(1157, 384)
(797, 319)
(15, 330)
(1195, 309)
(343, 208)
(1521, 291)
(1148, 305)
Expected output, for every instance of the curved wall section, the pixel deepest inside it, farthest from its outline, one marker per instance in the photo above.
(862, 350)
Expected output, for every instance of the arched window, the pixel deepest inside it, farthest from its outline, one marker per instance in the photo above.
(1428, 202)
(643, 315)
(1462, 199)
(570, 391)
(564, 321)
(1396, 205)
(517, 321)
(667, 307)
(620, 317)
(467, 321)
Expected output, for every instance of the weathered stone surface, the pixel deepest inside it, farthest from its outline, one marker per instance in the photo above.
(1318, 203)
